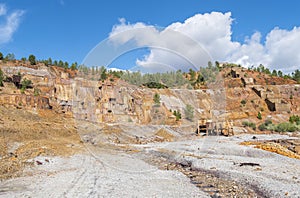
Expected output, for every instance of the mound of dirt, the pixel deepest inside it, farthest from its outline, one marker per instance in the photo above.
(165, 135)
(25, 135)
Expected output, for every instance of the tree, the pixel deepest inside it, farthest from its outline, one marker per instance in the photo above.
(74, 66)
(280, 74)
(45, 62)
(274, 73)
(1, 56)
(156, 98)
(209, 64)
(55, 63)
(103, 75)
(23, 59)
(296, 75)
(10, 57)
(189, 112)
(66, 65)
(31, 59)
(61, 63)
(192, 74)
(217, 64)
(267, 71)
(49, 61)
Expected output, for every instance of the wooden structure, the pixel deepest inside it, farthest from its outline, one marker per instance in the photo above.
(209, 127)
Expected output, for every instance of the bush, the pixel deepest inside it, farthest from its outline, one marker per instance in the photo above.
(243, 102)
(25, 84)
(294, 119)
(267, 125)
(156, 98)
(268, 122)
(259, 116)
(249, 124)
(285, 127)
(189, 112)
(177, 114)
(263, 127)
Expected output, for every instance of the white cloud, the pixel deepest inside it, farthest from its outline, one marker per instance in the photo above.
(283, 48)
(252, 52)
(2, 9)
(184, 43)
(12, 21)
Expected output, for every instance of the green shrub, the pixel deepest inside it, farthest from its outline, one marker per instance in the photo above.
(285, 127)
(243, 102)
(189, 112)
(259, 116)
(294, 119)
(263, 127)
(267, 125)
(156, 99)
(249, 124)
(26, 83)
(177, 114)
(268, 122)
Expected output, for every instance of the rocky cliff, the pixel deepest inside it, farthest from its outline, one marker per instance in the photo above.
(240, 96)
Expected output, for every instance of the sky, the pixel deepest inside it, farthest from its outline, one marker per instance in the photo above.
(154, 35)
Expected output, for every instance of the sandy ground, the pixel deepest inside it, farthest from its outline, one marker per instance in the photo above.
(111, 173)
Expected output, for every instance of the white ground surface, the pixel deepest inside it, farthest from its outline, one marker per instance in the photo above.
(277, 176)
(86, 176)
(105, 174)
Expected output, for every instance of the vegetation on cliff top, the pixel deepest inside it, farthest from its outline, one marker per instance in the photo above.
(172, 79)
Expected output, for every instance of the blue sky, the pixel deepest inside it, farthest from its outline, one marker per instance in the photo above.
(68, 30)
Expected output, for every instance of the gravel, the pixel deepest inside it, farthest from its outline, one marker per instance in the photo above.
(276, 175)
(111, 173)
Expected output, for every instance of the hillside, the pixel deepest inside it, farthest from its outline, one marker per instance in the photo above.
(239, 94)
(50, 111)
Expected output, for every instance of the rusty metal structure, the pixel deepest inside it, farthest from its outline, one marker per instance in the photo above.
(210, 127)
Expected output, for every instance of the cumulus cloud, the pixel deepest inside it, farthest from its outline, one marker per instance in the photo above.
(283, 48)
(11, 24)
(204, 37)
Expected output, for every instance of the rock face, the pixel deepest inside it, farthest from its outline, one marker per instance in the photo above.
(26, 101)
(115, 101)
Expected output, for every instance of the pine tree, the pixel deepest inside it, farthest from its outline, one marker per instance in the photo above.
(31, 59)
